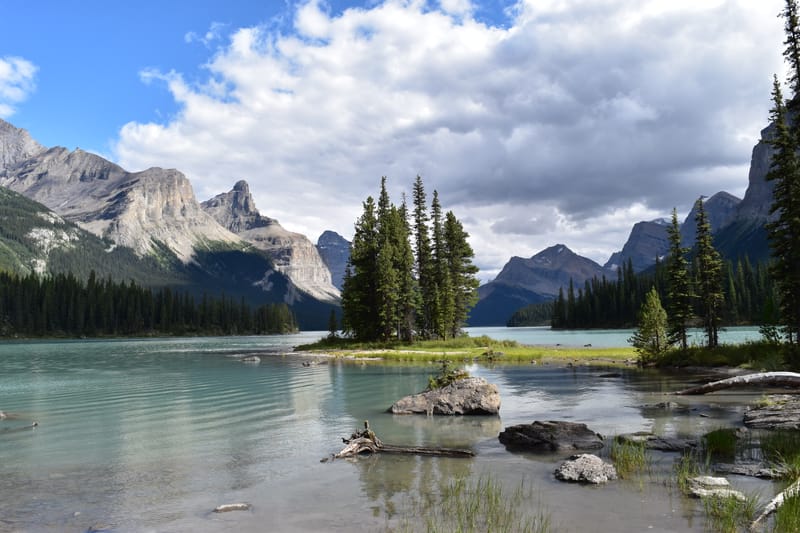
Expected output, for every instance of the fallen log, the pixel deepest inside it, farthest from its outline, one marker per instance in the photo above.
(365, 442)
(772, 379)
(775, 503)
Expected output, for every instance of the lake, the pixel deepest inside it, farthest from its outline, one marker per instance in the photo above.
(152, 434)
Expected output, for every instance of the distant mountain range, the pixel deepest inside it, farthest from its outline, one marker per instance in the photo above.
(91, 214)
(738, 227)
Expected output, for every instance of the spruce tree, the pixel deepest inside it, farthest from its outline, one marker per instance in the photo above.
(444, 303)
(424, 262)
(784, 228)
(463, 273)
(708, 277)
(679, 293)
(650, 339)
(359, 294)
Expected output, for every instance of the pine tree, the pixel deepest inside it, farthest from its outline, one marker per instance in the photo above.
(791, 53)
(708, 277)
(424, 262)
(359, 295)
(463, 273)
(443, 310)
(784, 229)
(679, 293)
(650, 339)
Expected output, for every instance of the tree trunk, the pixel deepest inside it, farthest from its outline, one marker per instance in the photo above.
(366, 442)
(776, 502)
(774, 379)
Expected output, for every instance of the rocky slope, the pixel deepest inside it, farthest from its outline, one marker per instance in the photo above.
(335, 252)
(720, 209)
(291, 253)
(145, 211)
(647, 241)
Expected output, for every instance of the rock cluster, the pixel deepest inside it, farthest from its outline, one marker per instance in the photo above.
(783, 412)
(469, 396)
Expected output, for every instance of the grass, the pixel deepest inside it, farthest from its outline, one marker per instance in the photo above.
(687, 467)
(720, 443)
(629, 457)
(477, 506)
(782, 448)
(730, 514)
(787, 517)
(755, 355)
(468, 349)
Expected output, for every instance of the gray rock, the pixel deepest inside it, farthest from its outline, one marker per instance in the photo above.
(759, 470)
(586, 468)
(550, 436)
(335, 252)
(712, 487)
(782, 413)
(293, 254)
(470, 396)
(228, 507)
(655, 442)
(251, 359)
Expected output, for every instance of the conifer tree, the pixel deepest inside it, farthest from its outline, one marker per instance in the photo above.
(708, 277)
(359, 294)
(650, 339)
(444, 303)
(679, 293)
(784, 228)
(463, 273)
(424, 262)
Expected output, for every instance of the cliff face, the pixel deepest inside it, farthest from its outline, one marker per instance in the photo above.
(758, 197)
(292, 253)
(141, 210)
(647, 241)
(16, 145)
(335, 252)
(720, 209)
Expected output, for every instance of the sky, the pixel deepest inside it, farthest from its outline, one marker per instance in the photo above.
(539, 122)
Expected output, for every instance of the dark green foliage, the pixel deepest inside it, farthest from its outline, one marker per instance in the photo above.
(650, 338)
(448, 375)
(391, 294)
(707, 277)
(533, 315)
(62, 305)
(679, 289)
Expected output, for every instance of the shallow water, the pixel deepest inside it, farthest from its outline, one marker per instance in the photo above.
(151, 435)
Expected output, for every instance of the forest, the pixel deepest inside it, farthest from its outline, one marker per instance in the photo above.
(64, 306)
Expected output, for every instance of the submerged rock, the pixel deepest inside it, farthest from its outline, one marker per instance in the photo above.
(550, 436)
(232, 507)
(586, 468)
(655, 442)
(251, 359)
(782, 412)
(712, 487)
(469, 396)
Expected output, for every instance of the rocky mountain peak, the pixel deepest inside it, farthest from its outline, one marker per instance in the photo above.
(16, 145)
(236, 210)
(647, 241)
(335, 252)
(720, 209)
(292, 253)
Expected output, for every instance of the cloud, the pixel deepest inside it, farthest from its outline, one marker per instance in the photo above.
(562, 125)
(214, 33)
(16, 83)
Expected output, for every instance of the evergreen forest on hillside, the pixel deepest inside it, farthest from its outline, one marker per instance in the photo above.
(62, 305)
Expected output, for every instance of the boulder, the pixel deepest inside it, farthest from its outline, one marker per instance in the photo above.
(550, 436)
(469, 396)
(586, 468)
(712, 487)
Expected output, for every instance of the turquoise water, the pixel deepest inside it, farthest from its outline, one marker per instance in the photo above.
(151, 435)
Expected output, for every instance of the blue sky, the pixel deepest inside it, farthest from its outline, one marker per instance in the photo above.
(538, 121)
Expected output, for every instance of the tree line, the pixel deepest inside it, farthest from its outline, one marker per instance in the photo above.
(410, 274)
(63, 305)
(748, 294)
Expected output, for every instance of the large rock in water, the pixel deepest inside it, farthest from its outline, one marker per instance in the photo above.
(550, 436)
(469, 396)
(586, 468)
(781, 412)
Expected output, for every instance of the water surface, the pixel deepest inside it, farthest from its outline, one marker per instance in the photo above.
(151, 435)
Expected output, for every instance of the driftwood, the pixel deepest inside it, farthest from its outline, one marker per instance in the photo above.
(365, 442)
(773, 379)
(776, 502)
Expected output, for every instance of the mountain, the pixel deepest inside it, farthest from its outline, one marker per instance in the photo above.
(526, 281)
(291, 253)
(149, 219)
(647, 241)
(335, 252)
(720, 209)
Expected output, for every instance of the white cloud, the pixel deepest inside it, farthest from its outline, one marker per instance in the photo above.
(16, 83)
(568, 124)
